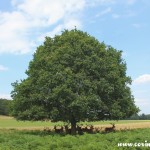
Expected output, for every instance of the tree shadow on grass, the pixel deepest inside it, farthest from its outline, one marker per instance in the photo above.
(42, 133)
(53, 133)
(50, 132)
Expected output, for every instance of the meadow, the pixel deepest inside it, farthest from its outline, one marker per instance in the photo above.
(39, 140)
(11, 123)
(31, 136)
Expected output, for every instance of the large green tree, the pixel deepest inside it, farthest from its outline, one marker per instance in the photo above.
(73, 77)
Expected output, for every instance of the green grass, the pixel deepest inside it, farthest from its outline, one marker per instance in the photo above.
(12, 139)
(9, 122)
(39, 140)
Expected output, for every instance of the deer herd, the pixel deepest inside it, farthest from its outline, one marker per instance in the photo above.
(81, 129)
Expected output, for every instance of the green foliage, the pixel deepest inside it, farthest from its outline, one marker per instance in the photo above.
(37, 140)
(5, 106)
(73, 77)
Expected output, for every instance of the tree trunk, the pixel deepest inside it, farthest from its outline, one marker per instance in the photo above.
(73, 127)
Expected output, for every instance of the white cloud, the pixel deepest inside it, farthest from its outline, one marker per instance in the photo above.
(99, 2)
(2, 68)
(131, 2)
(27, 23)
(70, 24)
(142, 79)
(5, 96)
(13, 27)
(142, 101)
(140, 90)
(104, 12)
(143, 104)
(31, 19)
(55, 31)
(49, 11)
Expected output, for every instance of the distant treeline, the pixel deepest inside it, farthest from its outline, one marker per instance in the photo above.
(139, 117)
(5, 107)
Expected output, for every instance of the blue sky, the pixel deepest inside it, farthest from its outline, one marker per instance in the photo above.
(123, 24)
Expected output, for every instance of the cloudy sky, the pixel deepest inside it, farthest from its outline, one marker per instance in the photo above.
(123, 24)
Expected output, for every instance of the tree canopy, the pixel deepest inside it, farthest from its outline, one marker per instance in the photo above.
(73, 77)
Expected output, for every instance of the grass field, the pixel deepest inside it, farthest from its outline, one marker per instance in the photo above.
(38, 140)
(30, 139)
(11, 123)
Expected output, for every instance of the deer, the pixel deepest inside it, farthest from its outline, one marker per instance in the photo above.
(110, 129)
(68, 131)
(88, 129)
(79, 129)
(91, 128)
(97, 129)
(60, 130)
(46, 129)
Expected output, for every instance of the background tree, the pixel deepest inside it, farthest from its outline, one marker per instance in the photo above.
(73, 77)
(139, 117)
(5, 106)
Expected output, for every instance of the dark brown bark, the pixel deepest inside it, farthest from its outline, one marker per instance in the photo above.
(73, 127)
